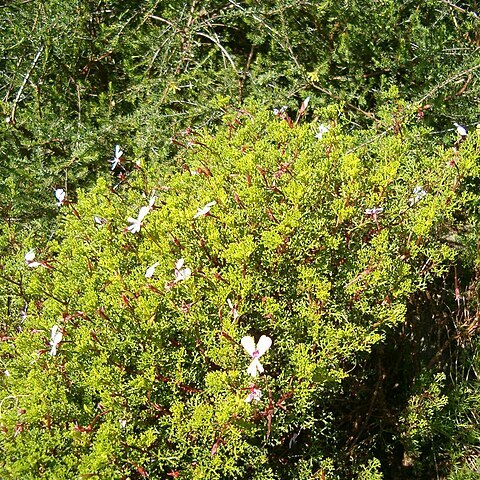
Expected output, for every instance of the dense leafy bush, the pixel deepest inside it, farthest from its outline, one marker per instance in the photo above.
(373, 317)
(323, 244)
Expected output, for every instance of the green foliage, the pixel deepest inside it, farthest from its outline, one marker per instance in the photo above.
(371, 471)
(423, 416)
(150, 377)
(79, 77)
(366, 313)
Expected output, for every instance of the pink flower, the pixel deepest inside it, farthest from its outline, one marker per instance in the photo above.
(181, 272)
(256, 352)
(185, 307)
(255, 394)
(374, 212)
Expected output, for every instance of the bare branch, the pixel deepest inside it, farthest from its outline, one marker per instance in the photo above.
(22, 86)
(447, 81)
(220, 46)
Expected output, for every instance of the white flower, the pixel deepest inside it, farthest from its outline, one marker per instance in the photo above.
(29, 259)
(136, 223)
(374, 212)
(134, 226)
(55, 338)
(117, 155)
(143, 213)
(322, 129)
(418, 194)
(23, 313)
(30, 255)
(152, 200)
(60, 196)
(233, 309)
(201, 212)
(151, 270)
(181, 272)
(255, 394)
(256, 352)
(280, 111)
(99, 220)
(461, 130)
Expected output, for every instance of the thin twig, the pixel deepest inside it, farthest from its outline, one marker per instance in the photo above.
(370, 140)
(22, 86)
(456, 7)
(255, 17)
(21, 3)
(10, 86)
(446, 82)
(164, 20)
(79, 105)
(278, 35)
(241, 82)
(220, 46)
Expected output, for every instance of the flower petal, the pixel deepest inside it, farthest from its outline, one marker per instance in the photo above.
(118, 152)
(60, 195)
(151, 270)
(143, 213)
(248, 344)
(187, 273)
(179, 263)
(258, 365)
(263, 344)
(252, 369)
(56, 334)
(30, 255)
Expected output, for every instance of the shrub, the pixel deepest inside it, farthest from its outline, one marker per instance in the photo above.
(317, 243)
